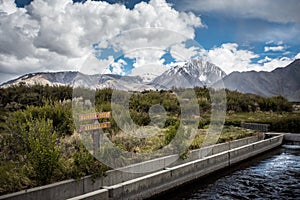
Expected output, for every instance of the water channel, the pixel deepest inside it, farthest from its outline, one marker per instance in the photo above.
(274, 175)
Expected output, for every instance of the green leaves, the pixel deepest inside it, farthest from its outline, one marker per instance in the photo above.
(239, 102)
(85, 164)
(60, 114)
(43, 154)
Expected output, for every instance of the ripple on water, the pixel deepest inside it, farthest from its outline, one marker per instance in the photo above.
(274, 177)
(277, 177)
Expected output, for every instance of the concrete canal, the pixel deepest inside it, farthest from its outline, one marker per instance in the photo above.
(273, 175)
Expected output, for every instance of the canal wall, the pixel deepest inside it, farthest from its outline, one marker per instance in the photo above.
(119, 184)
(292, 138)
(171, 177)
(256, 126)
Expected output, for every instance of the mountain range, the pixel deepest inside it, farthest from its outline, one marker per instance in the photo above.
(194, 73)
(197, 72)
(283, 81)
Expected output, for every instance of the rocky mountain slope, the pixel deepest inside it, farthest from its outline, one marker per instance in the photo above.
(191, 74)
(281, 81)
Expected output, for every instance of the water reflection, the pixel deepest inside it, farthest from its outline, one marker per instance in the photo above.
(275, 175)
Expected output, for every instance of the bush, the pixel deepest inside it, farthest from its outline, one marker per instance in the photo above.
(170, 134)
(288, 124)
(43, 153)
(60, 115)
(203, 122)
(279, 122)
(13, 177)
(171, 122)
(85, 164)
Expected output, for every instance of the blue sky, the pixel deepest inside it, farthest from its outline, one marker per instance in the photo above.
(107, 37)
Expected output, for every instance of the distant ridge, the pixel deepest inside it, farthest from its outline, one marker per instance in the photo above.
(194, 73)
(281, 81)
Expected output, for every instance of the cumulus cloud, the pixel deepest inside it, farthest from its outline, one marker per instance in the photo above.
(93, 65)
(8, 6)
(55, 35)
(275, 63)
(274, 48)
(266, 59)
(270, 10)
(117, 67)
(229, 57)
(58, 35)
(180, 52)
(150, 70)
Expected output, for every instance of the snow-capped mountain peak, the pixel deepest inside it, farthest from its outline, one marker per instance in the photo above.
(186, 75)
(197, 72)
(148, 77)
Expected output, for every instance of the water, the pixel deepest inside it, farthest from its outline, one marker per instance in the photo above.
(275, 175)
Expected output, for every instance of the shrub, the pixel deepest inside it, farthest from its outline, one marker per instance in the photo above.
(60, 115)
(170, 134)
(43, 154)
(85, 164)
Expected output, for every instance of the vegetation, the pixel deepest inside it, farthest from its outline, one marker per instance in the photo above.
(38, 147)
(279, 121)
(39, 143)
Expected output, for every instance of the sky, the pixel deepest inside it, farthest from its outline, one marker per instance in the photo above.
(133, 37)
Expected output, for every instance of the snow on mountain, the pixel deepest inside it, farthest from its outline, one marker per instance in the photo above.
(147, 77)
(44, 78)
(197, 72)
(77, 79)
(194, 73)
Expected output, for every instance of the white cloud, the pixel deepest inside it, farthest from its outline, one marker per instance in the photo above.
(270, 42)
(117, 67)
(264, 31)
(274, 48)
(270, 10)
(230, 58)
(52, 34)
(280, 43)
(149, 70)
(297, 56)
(92, 65)
(286, 53)
(8, 6)
(275, 63)
(266, 59)
(55, 35)
(181, 53)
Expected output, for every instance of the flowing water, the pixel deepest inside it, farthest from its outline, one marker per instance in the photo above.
(275, 175)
